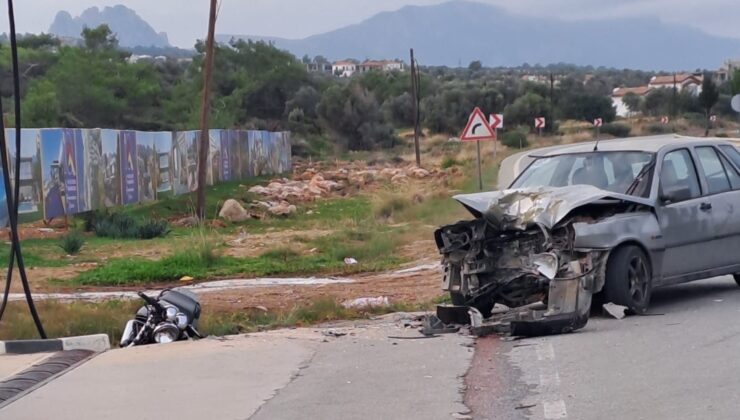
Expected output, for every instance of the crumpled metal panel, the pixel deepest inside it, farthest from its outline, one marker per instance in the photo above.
(520, 209)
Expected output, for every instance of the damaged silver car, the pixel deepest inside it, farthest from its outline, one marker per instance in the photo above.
(610, 221)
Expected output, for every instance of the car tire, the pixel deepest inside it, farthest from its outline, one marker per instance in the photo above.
(737, 278)
(629, 279)
(458, 299)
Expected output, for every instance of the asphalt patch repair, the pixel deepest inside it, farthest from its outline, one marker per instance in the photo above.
(35, 376)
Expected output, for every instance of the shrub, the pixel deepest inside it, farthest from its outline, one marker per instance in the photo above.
(657, 128)
(449, 162)
(388, 204)
(154, 229)
(515, 139)
(123, 226)
(616, 129)
(72, 243)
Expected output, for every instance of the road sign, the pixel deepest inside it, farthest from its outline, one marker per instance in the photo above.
(598, 122)
(664, 120)
(735, 103)
(713, 118)
(540, 122)
(496, 121)
(477, 128)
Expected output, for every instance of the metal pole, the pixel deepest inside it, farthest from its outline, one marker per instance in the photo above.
(204, 138)
(480, 171)
(415, 95)
(495, 144)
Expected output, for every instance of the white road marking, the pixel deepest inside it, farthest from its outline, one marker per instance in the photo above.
(549, 379)
(545, 352)
(555, 409)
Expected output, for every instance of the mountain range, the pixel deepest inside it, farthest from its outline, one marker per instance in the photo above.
(458, 32)
(130, 29)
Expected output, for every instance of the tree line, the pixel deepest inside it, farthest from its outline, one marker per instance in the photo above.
(257, 86)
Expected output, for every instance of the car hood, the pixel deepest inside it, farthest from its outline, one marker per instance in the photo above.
(546, 206)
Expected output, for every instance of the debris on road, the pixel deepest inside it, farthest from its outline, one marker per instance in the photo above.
(616, 311)
(432, 325)
(333, 333)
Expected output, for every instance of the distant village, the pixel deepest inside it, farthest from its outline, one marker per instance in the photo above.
(348, 67)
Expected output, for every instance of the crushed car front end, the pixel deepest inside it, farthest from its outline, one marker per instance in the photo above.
(521, 251)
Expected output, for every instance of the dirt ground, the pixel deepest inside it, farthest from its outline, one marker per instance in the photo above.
(415, 287)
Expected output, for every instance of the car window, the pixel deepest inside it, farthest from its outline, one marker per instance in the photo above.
(731, 173)
(678, 171)
(713, 170)
(732, 153)
(611, 171)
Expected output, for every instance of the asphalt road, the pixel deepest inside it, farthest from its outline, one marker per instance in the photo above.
(358, 373)
(679, 363)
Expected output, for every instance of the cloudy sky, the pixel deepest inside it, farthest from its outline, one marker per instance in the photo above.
(186, 20)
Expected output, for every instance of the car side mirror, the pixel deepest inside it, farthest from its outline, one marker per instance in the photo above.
(675, 193)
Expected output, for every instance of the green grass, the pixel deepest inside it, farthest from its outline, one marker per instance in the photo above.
(83, 318)
(184, 205)
(374, 249)
(48, 256)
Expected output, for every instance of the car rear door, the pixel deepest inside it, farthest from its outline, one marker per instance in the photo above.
(723, 193)
(686, 225)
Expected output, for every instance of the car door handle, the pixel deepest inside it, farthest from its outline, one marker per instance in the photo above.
(705, 206)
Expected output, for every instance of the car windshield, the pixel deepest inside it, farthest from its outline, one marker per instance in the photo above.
(611, 171)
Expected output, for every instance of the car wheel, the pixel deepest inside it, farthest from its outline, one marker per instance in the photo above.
(458, 299)
(737, 278)
(628, 279)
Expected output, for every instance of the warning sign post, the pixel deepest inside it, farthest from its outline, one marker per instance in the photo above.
(478, 129)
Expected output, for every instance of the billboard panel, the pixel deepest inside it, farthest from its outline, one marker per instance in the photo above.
(52, 176)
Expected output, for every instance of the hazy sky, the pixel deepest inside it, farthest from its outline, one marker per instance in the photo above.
(186, 20)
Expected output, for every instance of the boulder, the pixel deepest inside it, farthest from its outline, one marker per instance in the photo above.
(282, 209)
(233, 211)
(399, 179)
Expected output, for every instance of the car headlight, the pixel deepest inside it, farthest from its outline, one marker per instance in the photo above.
(166, 332)
(170, 313)
(181, 320)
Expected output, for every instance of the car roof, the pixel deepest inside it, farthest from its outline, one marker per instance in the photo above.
(646, 144)
(513, 165)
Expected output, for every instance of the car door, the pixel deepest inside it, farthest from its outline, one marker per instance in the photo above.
(685, 222)
(723, 193)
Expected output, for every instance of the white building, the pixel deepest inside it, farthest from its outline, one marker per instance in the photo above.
(382, 65)
(344, 68)
(619, 93)
(683, 82)
(727, 69)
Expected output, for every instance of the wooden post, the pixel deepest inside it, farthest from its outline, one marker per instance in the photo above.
(415, 95)
(204, 138)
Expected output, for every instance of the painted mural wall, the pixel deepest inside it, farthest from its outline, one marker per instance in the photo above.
(69, 171)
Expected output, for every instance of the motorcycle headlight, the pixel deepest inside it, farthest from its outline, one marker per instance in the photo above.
(181, 321)
(171, 313)
(166, 332)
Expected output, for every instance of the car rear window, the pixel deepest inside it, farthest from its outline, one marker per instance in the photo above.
(732, 153)
(713, 170)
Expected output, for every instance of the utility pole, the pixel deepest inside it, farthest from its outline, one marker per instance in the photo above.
(415, 94)
(204, 138)
(674, 105)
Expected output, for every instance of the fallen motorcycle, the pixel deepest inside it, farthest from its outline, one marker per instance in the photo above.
(171, 316)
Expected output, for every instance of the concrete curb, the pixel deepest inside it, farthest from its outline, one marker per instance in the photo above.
(97, 343)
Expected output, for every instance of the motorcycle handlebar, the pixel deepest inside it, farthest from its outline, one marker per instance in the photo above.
(149, 300)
